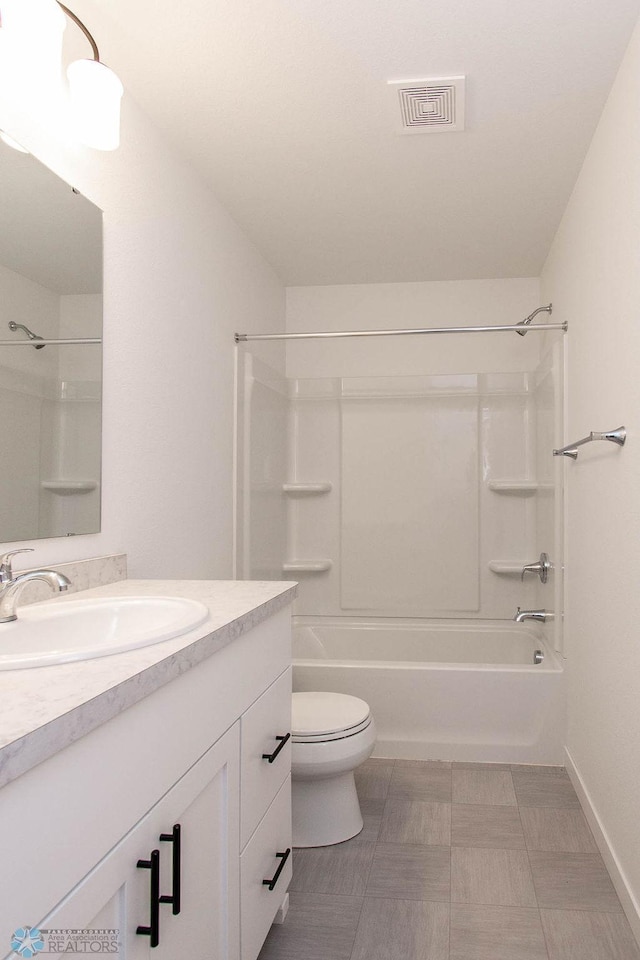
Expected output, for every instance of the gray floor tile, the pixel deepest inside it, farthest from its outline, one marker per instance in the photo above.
(410, 872)
(417, 780)
(498, 877)
(402, 930)
(573, 881)
(372, 778)
(544, 787)
(415, 821)
(496, 933)
(341, 869)
(557, 830)
(482, 786)
(588, 936)
(372, 811)
(473, 825)
(316, 928)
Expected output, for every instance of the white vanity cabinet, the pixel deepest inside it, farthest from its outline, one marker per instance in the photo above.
(119, 892)
(85, 834)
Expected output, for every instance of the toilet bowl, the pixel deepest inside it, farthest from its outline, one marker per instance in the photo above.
(331, 734)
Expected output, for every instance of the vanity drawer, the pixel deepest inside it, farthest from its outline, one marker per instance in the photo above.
(267, 856)
(263, 729)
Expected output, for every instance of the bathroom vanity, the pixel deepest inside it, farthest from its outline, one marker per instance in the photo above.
(149, 792)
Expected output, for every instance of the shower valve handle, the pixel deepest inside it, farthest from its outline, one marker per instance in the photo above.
(541, 567)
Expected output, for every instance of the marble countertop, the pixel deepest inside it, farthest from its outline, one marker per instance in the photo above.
(44, 709)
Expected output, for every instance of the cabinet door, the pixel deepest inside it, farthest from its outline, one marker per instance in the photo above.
(267, 856)
(117, 893)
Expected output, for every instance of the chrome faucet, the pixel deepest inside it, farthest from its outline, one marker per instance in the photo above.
(541, 615)
(11, 586)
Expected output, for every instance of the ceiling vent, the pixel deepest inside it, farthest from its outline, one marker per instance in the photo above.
(429, 106)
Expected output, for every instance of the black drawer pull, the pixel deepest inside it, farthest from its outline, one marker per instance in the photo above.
(284, 857)
(271, 756)
(175, 839)
(153, 930)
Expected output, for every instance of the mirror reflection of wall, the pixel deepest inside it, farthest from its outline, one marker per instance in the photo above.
(50, 396)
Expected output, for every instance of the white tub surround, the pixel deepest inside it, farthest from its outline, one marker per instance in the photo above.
(441, 690)
(145, 763)
(75, 698)
(380, 522)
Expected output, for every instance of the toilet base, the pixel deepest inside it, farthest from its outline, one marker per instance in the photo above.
(325, 811)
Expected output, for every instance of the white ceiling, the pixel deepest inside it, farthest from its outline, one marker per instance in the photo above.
(283, 106)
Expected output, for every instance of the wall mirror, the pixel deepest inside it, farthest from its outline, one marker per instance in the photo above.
(51, 394)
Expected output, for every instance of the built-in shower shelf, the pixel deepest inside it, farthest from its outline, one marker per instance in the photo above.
(306, 489)
(66, 488)
(506, 568)
(525, 488)
(307, 566)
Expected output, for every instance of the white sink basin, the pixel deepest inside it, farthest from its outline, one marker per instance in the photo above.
(83, 629)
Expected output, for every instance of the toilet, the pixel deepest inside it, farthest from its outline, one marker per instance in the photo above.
(331, 734)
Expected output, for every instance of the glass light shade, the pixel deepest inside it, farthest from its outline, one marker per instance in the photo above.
(31, 46)
(95, 93)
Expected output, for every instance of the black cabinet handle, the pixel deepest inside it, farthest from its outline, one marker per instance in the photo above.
(153, 930)
(271, 756)
(284, 857)
(174, 838)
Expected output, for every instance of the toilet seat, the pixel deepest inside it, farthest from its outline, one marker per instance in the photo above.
(323, 717)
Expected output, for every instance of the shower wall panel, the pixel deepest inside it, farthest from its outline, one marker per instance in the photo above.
(549, 499)
(261, 465)
(410, 519)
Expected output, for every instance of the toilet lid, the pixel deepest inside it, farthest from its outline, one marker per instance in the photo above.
(321, 714)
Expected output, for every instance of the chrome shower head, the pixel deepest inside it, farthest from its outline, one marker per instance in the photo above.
(13, 326)
(527, 320)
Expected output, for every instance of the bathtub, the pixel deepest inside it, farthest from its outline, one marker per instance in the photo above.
(441, 689)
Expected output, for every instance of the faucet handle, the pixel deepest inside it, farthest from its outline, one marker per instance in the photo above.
(541, 567)
(6, 573)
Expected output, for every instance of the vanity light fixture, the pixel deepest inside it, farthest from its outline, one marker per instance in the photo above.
(96, 93)
(31, 46)
(30, 57)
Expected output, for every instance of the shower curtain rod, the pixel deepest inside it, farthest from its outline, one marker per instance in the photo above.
(43, 342)
(514, 328)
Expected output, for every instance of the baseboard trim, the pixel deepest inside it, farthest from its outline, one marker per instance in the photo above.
(629, 903)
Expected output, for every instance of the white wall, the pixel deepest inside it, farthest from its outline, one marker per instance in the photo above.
(593, 278)
(396, 305)
(179, 278)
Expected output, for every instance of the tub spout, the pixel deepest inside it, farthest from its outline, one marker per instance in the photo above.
(541, 615)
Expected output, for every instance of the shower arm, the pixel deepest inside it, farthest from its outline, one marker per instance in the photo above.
(13, 326)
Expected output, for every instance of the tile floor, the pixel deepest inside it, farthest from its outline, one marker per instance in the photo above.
(456, 862)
